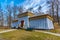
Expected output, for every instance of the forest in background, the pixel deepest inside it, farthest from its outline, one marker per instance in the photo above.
(11, 13)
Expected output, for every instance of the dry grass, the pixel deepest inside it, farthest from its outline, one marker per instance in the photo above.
(54, 31)
(27, 35)
(56, 26)
(4, 28)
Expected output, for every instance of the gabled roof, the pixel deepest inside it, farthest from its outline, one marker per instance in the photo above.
(41, 16)
(25, 14)
(15, 20)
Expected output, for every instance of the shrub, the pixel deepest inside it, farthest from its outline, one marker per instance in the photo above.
(29, 29)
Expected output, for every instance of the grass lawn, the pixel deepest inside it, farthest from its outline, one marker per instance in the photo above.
(27, 35)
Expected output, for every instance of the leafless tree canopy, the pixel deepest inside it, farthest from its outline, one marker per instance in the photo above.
(53, 11)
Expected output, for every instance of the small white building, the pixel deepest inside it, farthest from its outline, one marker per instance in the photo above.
(29, 20)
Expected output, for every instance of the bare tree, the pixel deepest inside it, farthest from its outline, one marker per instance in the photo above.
(14, 11)
(39, 10)
(54, 10)
(9, 15)
(51, 7)
(1, 17)
(20, 9)
(30, 9)
(57, 10)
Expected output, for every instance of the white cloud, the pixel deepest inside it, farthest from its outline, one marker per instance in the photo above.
(35, 8)
(31, 3)
(35, 4)
(12, 3)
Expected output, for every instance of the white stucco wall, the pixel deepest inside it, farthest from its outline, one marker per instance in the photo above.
(50, 24)
(41, 24)
(15, 24)
(26, 21)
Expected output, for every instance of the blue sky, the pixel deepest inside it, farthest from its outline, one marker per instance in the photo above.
(15, 1)
(27, 3)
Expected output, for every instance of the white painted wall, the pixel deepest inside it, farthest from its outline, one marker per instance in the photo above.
(26, 21)
(41, 24)
(15, 24)
(50, 24)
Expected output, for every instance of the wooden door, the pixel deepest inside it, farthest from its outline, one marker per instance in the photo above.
(22, 23)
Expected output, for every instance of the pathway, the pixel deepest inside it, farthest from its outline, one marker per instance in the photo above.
(48, 33)
(7, 30)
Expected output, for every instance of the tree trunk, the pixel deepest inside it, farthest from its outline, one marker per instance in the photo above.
(57, 12)
(53, 10)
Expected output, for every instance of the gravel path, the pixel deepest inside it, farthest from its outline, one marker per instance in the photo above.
(48, 33)
(7, 30)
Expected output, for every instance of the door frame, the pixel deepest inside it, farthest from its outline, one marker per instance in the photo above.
(22, 23)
